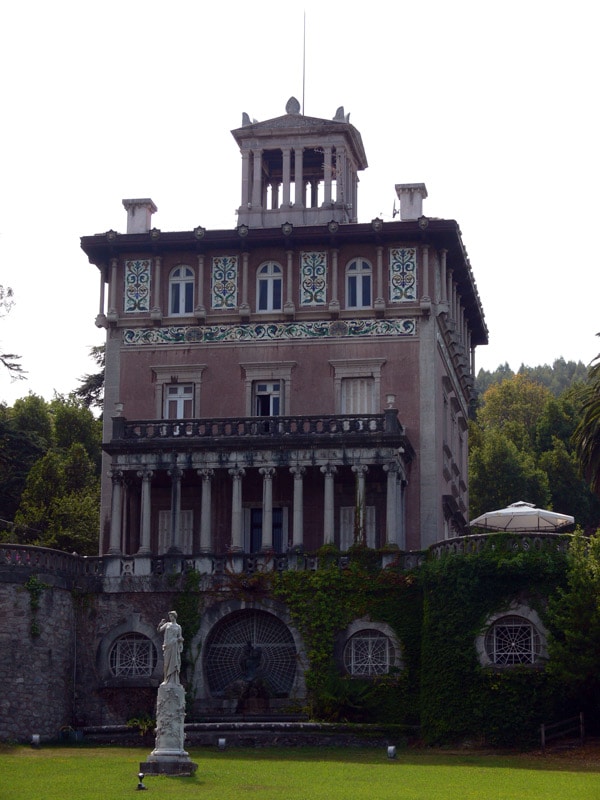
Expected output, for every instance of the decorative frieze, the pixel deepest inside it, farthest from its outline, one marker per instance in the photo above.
(273, 331)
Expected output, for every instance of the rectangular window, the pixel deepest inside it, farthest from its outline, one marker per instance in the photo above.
(267, 399)
(175, 289)
(189, 298)
(254, 530)
(358, 396)
(352, 292)
(179, 401)
(186, 534)
(366, 290)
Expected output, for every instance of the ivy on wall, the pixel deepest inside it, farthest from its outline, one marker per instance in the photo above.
(322, 604)
(35, 587)
(460, 698)
(437, 611)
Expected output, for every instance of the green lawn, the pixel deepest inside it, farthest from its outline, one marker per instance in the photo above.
(103, 773)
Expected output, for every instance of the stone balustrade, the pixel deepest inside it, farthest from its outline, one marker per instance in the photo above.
(216, 566)
(261, 427)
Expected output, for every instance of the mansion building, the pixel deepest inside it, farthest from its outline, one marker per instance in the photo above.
(279, 396)
(303, 379)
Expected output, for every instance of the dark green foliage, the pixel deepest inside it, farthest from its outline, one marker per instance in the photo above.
(557, 377)
(587, 435)
(49, 474)
(322, 604)
(460, 593)
(574, 615)
(437, 613)
(91, 388)
(522, 448)
(18, 453)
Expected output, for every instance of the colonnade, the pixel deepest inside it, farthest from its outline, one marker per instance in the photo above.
(394, 507)
(338, 172)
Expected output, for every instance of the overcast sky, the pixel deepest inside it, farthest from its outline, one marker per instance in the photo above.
(493, 107)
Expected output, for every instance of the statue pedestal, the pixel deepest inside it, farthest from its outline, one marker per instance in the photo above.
(168, 756)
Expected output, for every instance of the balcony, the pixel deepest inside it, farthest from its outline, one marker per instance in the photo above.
(293, 431)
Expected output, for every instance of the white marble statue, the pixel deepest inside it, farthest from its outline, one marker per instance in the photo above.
(172, 647)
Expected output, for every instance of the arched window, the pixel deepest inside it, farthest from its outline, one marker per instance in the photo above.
(512, 640)
(248, 645)
(358, 284)
(269, 283)
(132, 656)
(368, 652)
(181, 291)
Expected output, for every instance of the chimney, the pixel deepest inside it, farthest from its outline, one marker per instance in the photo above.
(411, 196)
(139, 214)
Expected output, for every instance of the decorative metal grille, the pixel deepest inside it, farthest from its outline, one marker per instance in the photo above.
(512, 640)
(368, 652)
(248, 645)
(132, 656)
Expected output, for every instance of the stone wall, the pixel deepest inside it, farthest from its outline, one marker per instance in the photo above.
(37, 649)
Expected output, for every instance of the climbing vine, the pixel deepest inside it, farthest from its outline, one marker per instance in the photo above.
(35, 587)
(189, 606)
(322, 604)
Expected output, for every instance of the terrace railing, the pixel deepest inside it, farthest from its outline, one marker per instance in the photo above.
(515, 541)
(262, 427)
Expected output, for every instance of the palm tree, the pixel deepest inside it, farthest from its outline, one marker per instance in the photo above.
(587, 433)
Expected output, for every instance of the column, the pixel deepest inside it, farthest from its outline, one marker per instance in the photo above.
(257, 179)
(334, 303)
(327, 170)
(205, 518)
(443, 285)
(329, 470)
(379, 303)
(176, 476)
(200, 286)
(449, 291)
(314, 193)
(156, 292)
(237, 516)
(298, 507)
(360, 534)
(245, 178)
(391, 506)
(112, 287)
(298, 178)
(145, 511)
(102, 289)
(116, 512)
(244, 308)
(425, 270)
(289, 280)
(274, 194)
(286, 177)
(267, 515)
(340, 174)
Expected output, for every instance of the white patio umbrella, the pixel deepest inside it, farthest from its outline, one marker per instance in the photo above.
(522, 516)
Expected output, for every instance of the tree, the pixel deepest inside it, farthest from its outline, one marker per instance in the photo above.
(574, 616)
(31, 415)
(59, 505)
(514, 407)
(91, 387)
(18, 452)
(74, 423)
(587, 434)
(55, 450)
(9, 360)
(500, 474)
